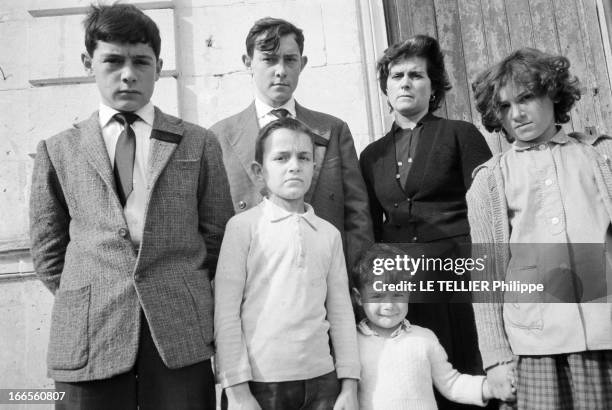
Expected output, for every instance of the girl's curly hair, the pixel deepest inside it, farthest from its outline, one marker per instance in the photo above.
(540, 73)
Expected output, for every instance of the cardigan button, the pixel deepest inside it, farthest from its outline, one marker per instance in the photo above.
(123, 232)
(395, 205)
(414, 239)
(241, 204)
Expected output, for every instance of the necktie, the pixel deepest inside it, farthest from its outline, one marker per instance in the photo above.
(280, 113)
(124, 155)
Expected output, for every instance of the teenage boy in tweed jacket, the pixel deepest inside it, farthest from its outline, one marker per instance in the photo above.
(127, 215)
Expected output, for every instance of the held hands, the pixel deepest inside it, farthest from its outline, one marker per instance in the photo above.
(501, 382)
(239, 397)
(347, 399)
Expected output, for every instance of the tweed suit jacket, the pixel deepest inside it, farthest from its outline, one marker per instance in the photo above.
(337, 192)
(83, 253)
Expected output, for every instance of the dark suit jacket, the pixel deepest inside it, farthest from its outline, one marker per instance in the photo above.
(82, 251)
(431, 205)
(337, 193)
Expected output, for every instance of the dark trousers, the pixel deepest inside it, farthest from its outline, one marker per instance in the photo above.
(149, 385)
(319, 393)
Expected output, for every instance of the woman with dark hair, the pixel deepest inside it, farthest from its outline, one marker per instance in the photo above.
(417, 176)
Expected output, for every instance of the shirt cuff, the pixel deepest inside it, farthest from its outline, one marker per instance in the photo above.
(228, 379)
(348, 371)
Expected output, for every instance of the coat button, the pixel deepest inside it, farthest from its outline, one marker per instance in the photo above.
(241, 204)
(414, 239)
(395, 205)
(123, 232)
(408, 199)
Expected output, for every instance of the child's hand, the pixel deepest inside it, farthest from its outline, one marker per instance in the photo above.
(499, 380)
(512, 378)
(347, 399)
(239, 397)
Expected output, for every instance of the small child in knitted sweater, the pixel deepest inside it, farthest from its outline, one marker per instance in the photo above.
(400, 362)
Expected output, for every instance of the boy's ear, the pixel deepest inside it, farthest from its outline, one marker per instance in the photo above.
(86, 60)
(158, 68)
(246, 60)
(357, 297)
(257, 169)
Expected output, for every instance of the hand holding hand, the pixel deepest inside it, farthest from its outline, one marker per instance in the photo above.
(500, 380)
(347, 399)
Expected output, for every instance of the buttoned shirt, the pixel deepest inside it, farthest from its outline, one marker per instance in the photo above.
(406, 141)
(559, 226)
(264, 115)
(134, 209)
(551, 192)
(553, 201)
(281, 288)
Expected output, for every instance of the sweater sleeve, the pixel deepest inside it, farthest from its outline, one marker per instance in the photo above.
(232, 360)
(340, 316)
(455, 386)
(492, 340)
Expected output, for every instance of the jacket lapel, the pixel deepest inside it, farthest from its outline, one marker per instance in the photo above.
(322, 136)
(243, 140)
(166, 134)
(92, 144)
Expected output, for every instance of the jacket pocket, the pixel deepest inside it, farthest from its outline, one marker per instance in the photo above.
(523, 310)
(69, 341)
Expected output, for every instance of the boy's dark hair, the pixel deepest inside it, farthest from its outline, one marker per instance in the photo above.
(363, 272)
(540, 73)
(121, 23)
(282, 123)
(424, 47)
(272, 30)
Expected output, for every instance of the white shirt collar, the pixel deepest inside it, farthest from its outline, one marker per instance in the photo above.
(146, 113)
(262, 109)
(366, 330)
(275, 213)
(560, 137)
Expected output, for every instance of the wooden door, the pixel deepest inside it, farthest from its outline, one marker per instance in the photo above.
(475, 34)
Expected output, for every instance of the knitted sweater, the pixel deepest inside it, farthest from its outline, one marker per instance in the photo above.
(490, 227)
(397, 373)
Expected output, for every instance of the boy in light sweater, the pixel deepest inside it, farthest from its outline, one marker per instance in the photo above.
(401, 362)
(282, 291)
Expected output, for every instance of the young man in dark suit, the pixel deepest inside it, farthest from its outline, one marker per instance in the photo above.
(127, 215)
(274, 56)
